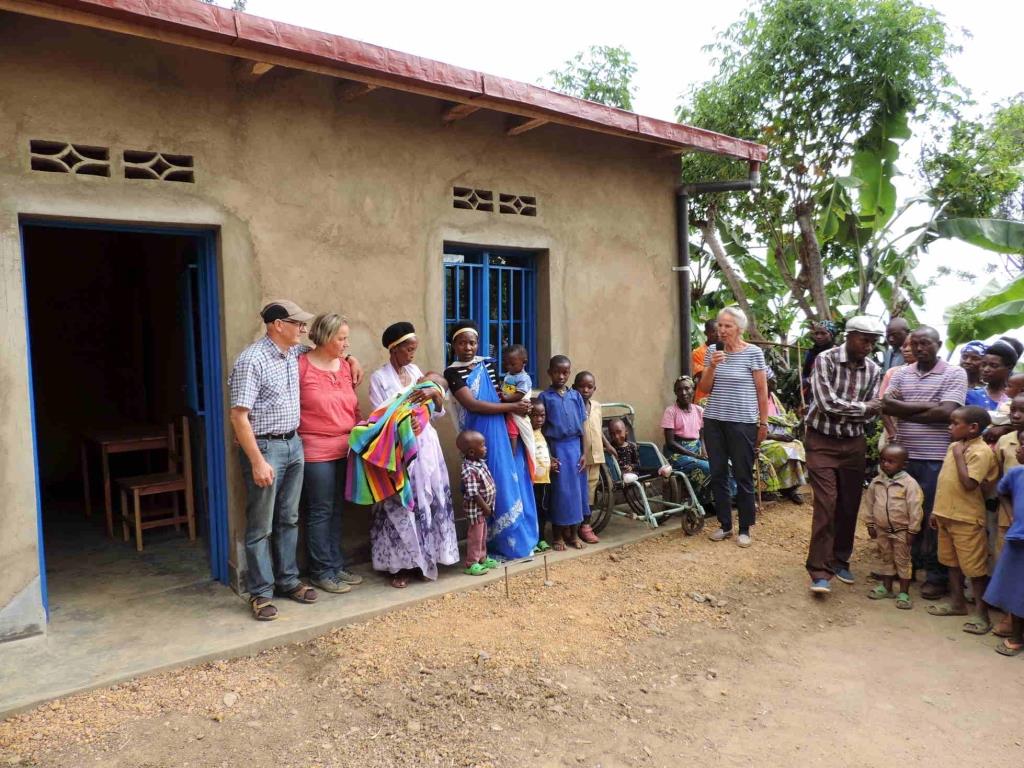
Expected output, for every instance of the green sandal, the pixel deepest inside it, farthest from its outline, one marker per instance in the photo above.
(476, 569)
(903, 601)
(1009, 648)
(977, 627)
(542, 546)
(490, 563)
(880, 593)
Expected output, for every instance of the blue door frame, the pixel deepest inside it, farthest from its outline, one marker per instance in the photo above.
(209, 406)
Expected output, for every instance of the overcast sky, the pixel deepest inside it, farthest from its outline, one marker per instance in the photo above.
(525, 39)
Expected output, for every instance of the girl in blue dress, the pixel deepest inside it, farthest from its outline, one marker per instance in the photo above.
(563, 430)
(1006, 588)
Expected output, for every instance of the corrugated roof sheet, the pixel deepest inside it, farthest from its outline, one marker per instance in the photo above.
(189, 22)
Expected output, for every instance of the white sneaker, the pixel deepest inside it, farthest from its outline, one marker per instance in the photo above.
(743, 540)
(720, 535)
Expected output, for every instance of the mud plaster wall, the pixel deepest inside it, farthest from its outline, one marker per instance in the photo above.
(339, 206)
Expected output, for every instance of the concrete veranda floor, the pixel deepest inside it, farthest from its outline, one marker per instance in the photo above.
(98, 638)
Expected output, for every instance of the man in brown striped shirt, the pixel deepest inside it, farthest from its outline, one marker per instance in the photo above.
(844, 397)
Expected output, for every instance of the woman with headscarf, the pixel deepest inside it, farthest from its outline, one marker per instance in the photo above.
(970, 361)
(404, 539)
(473, 382)
(996, 366)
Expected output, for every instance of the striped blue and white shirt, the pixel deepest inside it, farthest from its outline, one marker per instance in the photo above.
(944, 383)
(733, 394)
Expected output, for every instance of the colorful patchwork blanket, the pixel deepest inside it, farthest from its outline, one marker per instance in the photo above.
(382, 447)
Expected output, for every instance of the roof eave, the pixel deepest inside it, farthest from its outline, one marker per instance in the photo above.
(220, 30)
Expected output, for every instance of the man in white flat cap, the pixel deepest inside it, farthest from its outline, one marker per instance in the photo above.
(264, 387)
(844, 398)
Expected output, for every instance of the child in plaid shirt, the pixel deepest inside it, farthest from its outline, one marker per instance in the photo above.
(478, 494)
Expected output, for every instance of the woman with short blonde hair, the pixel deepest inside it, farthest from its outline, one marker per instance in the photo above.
(735, 420)
(328, 409)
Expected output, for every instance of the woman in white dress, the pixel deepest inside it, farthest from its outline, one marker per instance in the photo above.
(404, 540)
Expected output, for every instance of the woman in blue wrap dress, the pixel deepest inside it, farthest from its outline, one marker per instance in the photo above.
(473, 384)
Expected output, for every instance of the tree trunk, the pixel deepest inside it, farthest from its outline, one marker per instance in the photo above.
(812, 255)
(729, 274)
(794, 285)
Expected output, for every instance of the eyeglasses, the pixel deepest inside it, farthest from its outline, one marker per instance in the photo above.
(302, 325)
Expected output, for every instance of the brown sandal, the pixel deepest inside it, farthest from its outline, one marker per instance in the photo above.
(303, 594)
(263, 609)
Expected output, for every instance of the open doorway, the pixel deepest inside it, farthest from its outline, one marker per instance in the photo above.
(123, 328)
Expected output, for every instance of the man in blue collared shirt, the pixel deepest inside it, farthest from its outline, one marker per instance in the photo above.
(264, 387)
(896, 332)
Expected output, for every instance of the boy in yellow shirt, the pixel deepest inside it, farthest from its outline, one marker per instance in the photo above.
(543, 466)
(959, 514)
(594, 444)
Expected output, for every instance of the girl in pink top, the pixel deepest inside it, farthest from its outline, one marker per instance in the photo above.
(328, 409)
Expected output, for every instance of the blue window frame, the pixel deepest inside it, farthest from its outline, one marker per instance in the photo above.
(497, 289)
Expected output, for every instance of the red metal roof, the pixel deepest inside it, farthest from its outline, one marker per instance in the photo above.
(195, 24)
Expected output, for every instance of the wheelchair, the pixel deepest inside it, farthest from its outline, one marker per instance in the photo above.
(651, 497)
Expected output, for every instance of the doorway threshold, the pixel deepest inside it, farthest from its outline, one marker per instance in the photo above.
(197, 623)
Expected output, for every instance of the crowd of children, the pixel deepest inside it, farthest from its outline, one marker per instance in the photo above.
(566, 447)
(972, 474)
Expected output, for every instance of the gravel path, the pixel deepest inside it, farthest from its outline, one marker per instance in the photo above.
(668, 650)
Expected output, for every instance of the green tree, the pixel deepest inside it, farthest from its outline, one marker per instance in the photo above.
(829, 86)
(602, 73)
(979, 173)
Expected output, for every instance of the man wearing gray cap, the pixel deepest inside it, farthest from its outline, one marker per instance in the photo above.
(264, 387)
(844, 397)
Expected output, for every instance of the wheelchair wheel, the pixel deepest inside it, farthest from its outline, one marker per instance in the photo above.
(693, 521)
(604, 501)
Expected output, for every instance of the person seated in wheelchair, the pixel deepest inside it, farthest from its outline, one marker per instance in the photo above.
(628, 454)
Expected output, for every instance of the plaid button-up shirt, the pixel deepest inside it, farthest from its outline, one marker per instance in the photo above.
(476, 480)
(839, 393)
(265, 381)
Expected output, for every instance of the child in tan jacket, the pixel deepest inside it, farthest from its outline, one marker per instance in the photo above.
(893, 508)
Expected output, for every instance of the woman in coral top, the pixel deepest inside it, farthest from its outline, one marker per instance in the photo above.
(328, 409)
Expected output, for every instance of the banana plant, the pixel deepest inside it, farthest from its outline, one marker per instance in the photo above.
(996, 309)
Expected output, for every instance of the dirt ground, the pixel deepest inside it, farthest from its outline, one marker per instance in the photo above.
(671, 650)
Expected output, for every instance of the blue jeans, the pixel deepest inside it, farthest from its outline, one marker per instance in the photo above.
(273, 513)
(732, 442)
(324, 488)
(924, 551)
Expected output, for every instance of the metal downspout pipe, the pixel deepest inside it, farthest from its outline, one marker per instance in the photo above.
(683, 195)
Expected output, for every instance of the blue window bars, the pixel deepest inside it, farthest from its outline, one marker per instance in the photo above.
(497, 289)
